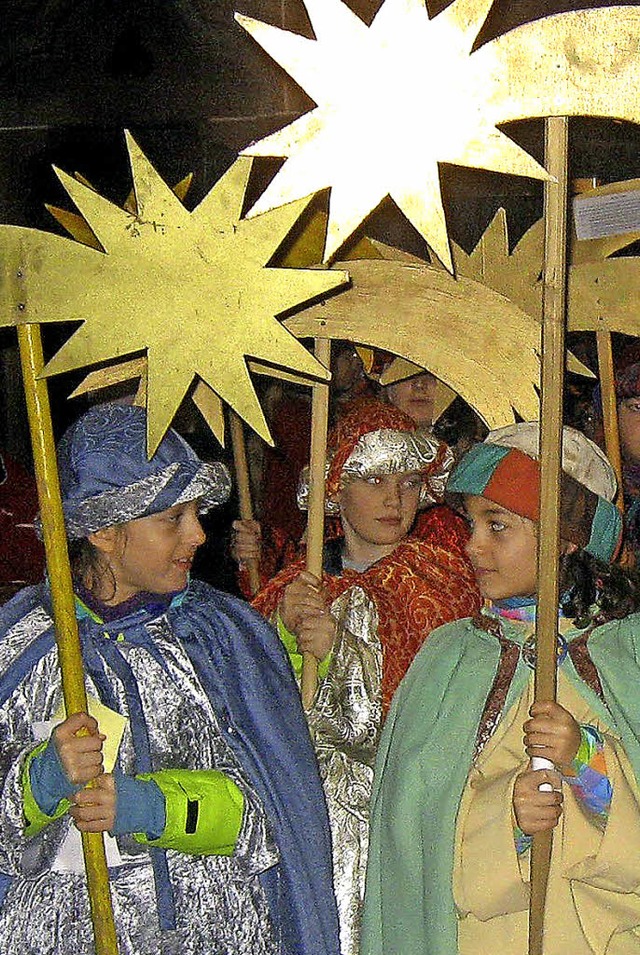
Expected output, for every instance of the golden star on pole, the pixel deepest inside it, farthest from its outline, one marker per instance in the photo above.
(602, 292)
(191, 289)
(397, 98)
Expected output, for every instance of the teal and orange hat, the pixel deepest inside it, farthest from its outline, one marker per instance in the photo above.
(505, 469)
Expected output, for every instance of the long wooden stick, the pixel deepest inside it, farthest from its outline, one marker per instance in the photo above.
(553, 364)
(315, 525)
(606, 375)
(241, 468)
(66, 626)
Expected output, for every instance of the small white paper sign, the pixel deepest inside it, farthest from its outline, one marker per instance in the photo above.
(599, 216)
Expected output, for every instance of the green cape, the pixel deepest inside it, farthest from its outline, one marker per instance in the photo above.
(423, 761)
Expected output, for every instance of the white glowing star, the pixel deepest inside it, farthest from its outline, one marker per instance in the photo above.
(397, 98)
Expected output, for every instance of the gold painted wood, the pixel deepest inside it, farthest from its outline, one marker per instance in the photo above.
(451, 313)
(553, 361)
(305, 245)
(210, 407)
(602, 292)
(603, 295)
(315, 521)
(204, 398)
(596, 300)
(110, 375)
(373, 133)
(192, 289)
(473, 339)
(515, 275)
(59, 573)
(76, 226)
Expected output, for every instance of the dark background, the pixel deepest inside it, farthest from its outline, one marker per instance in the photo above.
(194, 88)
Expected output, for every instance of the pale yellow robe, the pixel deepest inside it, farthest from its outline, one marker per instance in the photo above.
(593, 899)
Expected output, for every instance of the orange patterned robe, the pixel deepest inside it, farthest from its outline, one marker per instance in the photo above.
(415, 589)
(383, 616)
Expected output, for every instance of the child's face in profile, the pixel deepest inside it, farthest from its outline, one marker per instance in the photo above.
(152, 553)
(502, 549)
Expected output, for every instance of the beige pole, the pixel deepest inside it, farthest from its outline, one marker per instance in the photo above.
(553, 365)
(315, 525)
(606, 375)
(241, 468)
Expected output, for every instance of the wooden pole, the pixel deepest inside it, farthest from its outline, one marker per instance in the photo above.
(606, 375)
(553, 365)
(66, 626)
(315, 524)
(241, 468)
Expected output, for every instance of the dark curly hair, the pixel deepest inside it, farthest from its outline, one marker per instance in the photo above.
(89, 567)
(594, 592)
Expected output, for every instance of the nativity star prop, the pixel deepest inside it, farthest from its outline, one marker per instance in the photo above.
(192, 290)
(400, 97)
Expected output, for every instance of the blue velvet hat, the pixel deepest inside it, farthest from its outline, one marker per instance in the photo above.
(106, 477)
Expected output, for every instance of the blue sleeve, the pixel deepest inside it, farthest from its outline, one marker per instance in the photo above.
(48, 780)
(140, 807)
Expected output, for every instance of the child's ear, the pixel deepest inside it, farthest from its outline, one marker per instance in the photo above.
(106, 540)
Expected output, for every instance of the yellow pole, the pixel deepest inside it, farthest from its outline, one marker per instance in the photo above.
(315, 524)
(241, 468)
(66, 627)
(553, 364)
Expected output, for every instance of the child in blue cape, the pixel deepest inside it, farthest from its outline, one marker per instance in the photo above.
(456, 800)
(217, 834)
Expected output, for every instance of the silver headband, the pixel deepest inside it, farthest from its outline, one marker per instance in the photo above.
(391, 452)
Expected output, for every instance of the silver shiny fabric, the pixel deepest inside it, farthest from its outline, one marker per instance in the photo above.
(106, 476)
(211, 484)
(220, 904)
(345, 724)
(390, 452)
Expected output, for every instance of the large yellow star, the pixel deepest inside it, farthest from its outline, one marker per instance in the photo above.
(398, 97)
(191, 289)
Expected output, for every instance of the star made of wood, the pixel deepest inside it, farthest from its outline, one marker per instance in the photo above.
(398, 98)
(193, 290)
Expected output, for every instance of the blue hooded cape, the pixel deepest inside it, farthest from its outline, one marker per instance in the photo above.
(247, 677)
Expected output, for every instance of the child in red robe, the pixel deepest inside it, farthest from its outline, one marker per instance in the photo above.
(381, 593)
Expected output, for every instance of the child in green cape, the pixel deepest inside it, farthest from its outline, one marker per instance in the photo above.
(456, 800)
